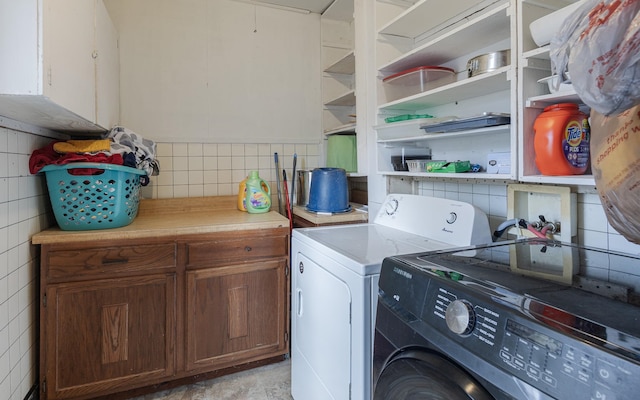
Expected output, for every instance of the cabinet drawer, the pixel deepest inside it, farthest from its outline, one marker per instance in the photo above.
(219, 251)
(96, 262)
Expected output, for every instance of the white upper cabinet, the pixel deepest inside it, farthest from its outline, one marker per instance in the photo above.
(444, 33)
(60, 70)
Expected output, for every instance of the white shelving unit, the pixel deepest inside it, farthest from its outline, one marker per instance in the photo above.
(339, 73)
(448, 34)
(338, 80)
(533, 64)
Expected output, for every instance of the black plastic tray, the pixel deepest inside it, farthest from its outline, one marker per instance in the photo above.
(483, 121)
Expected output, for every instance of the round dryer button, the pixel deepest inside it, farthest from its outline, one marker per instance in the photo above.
(460, 317)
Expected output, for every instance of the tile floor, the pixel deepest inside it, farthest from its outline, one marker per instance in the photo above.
(270, 382)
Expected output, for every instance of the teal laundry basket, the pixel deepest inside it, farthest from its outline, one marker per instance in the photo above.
(87, 196)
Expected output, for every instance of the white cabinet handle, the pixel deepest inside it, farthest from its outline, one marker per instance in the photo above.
(300, 308)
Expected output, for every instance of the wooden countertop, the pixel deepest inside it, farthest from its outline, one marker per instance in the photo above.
(353, 216)
(173, 217)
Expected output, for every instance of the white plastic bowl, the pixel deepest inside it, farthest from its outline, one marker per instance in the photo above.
(551, 81)
(543, 29)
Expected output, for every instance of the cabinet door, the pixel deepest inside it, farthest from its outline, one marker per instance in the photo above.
(69, 66)
(107, 69)
(236, 314)
(107, 336)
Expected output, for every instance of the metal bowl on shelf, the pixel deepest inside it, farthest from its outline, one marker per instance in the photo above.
(488, 62)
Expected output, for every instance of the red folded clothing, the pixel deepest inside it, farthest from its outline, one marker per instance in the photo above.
(46, 156)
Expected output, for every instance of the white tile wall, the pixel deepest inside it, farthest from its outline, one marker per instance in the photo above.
(197, 169)
(23, 205)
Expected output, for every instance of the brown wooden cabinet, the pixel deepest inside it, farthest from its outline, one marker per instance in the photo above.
(119, 315)
(235, 313)
(237, 298)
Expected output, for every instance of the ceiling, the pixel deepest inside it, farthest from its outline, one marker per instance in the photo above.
(315, 6)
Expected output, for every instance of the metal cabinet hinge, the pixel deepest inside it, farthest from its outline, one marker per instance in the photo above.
(44, 301)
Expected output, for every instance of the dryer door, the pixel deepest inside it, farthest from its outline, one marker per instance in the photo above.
(417, 374)
(321, 329)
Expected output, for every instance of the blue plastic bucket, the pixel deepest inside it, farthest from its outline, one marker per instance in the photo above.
(329, 191)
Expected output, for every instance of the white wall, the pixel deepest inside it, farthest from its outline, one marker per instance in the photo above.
(218, 71)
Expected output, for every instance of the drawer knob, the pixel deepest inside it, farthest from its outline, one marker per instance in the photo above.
(247, 248)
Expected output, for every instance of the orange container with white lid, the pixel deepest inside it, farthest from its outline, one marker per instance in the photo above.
(561, 140)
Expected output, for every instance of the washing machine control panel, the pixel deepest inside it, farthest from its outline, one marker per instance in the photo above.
(550, 358)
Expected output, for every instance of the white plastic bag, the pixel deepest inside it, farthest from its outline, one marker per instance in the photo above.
(599, 45)
(615, 163)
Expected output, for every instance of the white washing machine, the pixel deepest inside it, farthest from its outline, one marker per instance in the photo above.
(335, 272)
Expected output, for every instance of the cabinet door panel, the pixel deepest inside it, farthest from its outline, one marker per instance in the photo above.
(109, 335)
(235, 314)
(69, 37)
(107, 70)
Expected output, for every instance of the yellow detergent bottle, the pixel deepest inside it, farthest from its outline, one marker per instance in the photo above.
(258, 194)
(242, 195)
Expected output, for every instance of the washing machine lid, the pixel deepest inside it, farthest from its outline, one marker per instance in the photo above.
(363, 246)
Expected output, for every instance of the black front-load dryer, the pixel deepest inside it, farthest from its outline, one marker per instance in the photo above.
(459, 325)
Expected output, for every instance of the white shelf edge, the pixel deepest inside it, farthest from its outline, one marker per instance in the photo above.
(540, 52)
(340, 10)
(580, 180)
(346, 128)
(466, 88)
(444, 135)
(446, 45)
(401, 124)
(345, 99)
(422, 15)
(547, 99)
(346, 65)
(458, 175)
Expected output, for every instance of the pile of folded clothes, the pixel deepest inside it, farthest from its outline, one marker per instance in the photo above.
(121, 147)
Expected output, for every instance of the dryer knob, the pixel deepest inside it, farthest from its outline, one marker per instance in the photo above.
(460, 317)
(391, 206)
